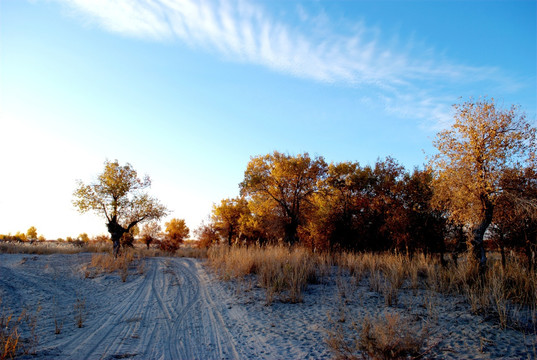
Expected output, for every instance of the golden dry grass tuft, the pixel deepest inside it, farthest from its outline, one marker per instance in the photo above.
(390, 336)
(12, 343)
(505, 295)
(385, 336)
(281, 271)
(106, 263)
(9, 335)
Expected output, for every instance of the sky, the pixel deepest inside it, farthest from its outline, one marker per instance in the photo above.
(187, 91)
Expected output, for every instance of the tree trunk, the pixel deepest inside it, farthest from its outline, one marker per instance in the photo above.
(478, 235)
(502, 250)
(229, 236)
(442, 251)
(290, 232)
(116, 232)
(460, 246)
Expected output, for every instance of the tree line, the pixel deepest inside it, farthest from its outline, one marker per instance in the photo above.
(480, 185)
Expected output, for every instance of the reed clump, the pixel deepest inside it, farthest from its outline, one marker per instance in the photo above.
(106, 263)
(385, 336)
(12, 327)
(280, 270)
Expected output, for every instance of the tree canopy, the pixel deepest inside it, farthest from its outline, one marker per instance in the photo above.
(228, 215)
(283, 185)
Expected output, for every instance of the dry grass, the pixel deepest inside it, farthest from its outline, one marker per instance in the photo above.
(386, 336)
(281, 271)
(390, 336)
(285, 272)
(80, 311)
(500, 294)
(191, 252)
(10, 346)
(53, 247)
(386, 273)
(106, 263)
(12, 343)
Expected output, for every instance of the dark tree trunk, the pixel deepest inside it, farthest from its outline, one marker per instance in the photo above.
(229, 236)
(116, 232)
(442, 251)
(502, 250)
(290, 232)
(460, 247)
(478, 235)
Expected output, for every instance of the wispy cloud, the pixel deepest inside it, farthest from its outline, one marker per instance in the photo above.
(246, 32)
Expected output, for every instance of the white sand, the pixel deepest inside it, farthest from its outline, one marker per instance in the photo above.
(178, 310)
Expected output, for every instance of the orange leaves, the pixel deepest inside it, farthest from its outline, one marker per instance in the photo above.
(284, 185)
(472, 155)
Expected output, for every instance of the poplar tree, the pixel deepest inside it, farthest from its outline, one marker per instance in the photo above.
(484, 141)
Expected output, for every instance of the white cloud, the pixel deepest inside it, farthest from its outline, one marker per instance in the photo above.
(243, 31)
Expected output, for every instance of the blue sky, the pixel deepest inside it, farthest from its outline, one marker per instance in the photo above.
(186, 91)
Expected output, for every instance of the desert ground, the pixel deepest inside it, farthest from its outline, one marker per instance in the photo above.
(177, 308)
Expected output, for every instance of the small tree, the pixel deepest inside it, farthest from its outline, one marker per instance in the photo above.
(227, 216)
(83, 237)
(207, 235)
(31, 234)
(119, 196)
(176, 233)
(150, 232)
(127, 240)
(484, 141)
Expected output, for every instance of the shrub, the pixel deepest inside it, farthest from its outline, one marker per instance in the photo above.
(386, 336)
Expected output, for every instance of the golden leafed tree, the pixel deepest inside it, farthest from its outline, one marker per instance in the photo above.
(207, 235)
(285, 185)
(32, 233)
(227, 217)
(176, 233)
(150, 232)
(120, 196)
(484, 141)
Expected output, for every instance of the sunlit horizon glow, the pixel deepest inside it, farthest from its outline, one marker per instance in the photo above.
(186, 91)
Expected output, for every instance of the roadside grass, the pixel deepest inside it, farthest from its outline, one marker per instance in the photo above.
(392, 272)
(106, 263)
(75, 247)
(506, 296)
(387, 335)
(287, 271)
(18, 334)
(52, 247)
(283, 272)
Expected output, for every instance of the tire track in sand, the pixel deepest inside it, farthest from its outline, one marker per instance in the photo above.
(173, 311)
(104, 332)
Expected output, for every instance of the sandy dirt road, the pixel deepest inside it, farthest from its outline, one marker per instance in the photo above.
(172, 311)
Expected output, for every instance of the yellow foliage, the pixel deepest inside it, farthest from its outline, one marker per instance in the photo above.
(483, 142)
